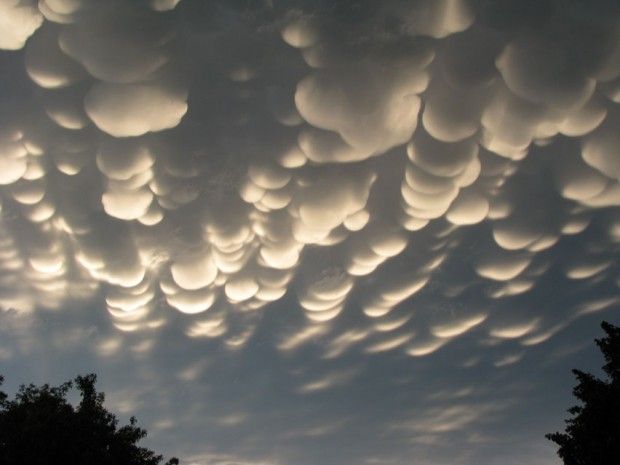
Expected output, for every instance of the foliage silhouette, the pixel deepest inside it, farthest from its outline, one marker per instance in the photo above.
(40, 427)
(592, 435)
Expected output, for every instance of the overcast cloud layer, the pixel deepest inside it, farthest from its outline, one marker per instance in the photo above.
(313, 232)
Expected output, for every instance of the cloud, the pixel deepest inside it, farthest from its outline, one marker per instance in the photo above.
(20, 19)
(346, 113)
(133, 109)
(318, 185)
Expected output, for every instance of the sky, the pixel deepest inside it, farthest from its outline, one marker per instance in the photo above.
(335, 232)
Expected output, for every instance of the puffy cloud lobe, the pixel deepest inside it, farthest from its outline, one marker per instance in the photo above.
(503, 266)
(121, 159)
(551, 84)
(329, 201)
(379, 112)
(194, 272)
(164, 5)
(13, 157)
(65, 109)
(267, 187)
(19, 19)
(600, 148)
(301, 33)
(127, 204)
(438, 19)
(469, 208)
(450, 113)
(434, 176)
(125, 110)
(324, 297)
(118, 50)
(61, 11)
(47, 65)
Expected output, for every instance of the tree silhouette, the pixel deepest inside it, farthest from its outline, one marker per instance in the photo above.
(41, 427)
(592, 435)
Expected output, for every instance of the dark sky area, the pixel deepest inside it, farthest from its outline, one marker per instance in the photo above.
(313, 232)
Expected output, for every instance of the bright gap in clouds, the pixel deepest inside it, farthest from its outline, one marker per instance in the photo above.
(312, 232)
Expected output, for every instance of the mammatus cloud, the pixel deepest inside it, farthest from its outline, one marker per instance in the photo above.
(117, 119)
(20, 18)
(356, 169)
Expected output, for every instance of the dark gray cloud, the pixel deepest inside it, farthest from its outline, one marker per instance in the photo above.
(312, 232)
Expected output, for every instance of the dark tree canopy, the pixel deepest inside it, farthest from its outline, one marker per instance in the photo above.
(40, 427)
(592, 435)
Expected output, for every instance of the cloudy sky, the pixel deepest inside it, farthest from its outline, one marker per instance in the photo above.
(303, 232)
